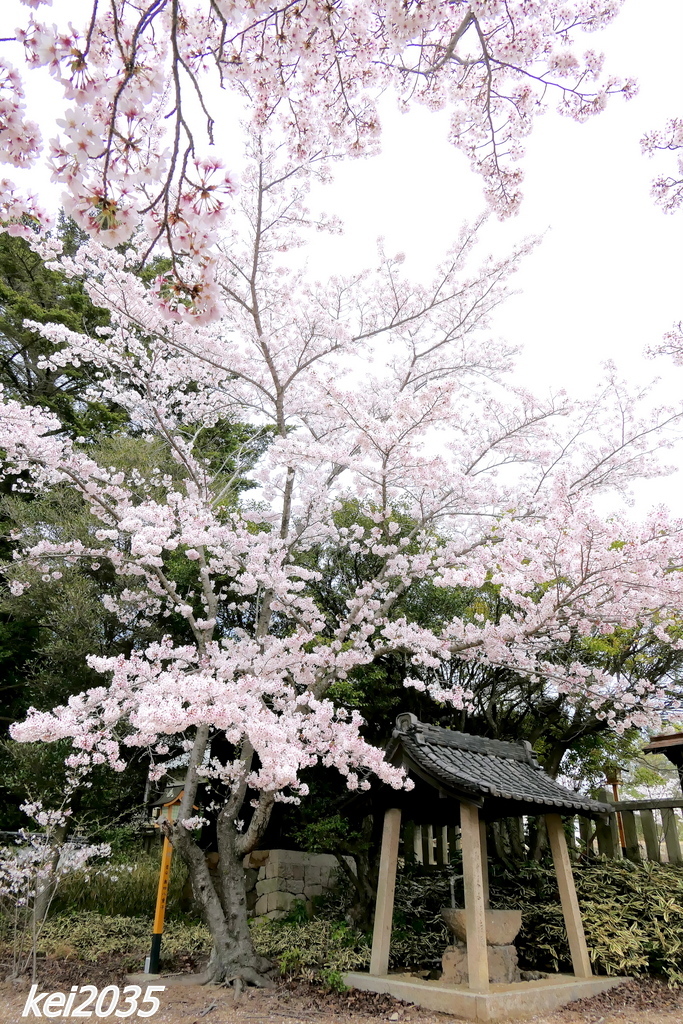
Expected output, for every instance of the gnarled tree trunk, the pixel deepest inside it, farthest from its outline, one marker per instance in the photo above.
(224, 905)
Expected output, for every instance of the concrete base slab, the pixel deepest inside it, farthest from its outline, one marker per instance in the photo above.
(501, 1002)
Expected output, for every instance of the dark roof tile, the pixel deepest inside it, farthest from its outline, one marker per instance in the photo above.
(487, 768)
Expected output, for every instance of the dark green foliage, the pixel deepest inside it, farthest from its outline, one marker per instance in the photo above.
(633, 916)
(29, 291)
(107, 810)
(317, 950)
(326, 834)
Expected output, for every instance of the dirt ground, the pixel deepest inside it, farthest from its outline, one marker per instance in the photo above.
(639, 1002)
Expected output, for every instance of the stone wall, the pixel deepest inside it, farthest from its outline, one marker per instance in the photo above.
(277, 879)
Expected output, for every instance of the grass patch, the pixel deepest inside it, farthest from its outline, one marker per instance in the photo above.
(316, 950)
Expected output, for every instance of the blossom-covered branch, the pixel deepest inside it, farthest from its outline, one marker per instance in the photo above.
(137, 146)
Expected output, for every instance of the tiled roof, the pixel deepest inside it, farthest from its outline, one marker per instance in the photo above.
(486, 768)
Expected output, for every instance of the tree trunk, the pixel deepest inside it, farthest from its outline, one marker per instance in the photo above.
(46, 891)
(366, 854)
(513, 829)
(540, 843)
(224, 905)
(224, 910)
(501, 842)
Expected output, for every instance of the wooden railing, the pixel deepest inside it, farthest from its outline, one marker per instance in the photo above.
(640, 830)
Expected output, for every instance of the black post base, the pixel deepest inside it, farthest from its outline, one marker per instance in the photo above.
(154, 953)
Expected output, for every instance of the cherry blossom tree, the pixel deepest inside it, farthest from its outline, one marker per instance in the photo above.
(137, 144)
(375, 389)
(31, 871)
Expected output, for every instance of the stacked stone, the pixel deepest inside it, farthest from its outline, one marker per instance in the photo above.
(503, 969)
(501, 927)
(277, 879)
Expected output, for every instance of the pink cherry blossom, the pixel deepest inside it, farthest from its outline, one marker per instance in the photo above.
(135, 144)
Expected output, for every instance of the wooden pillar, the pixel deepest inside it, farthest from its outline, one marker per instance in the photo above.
(570, 904)
(453, 840)
(409, 843)
(441, 846)
(647, 820)
(386, 883)
(609, 840)
(475, 917)
(427, 852)
(586, 833)
(418, 844)
(628, 820)
(673, 846)
(484, 863)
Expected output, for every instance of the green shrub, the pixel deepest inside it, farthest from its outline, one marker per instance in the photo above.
(419, 936)
(315, 950)
(632, 915)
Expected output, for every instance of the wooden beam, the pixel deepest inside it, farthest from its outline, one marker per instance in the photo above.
(606, 845)
(475, 916)
(607, 831)
(570, 904)
(648, 805)
(427, 852)
(453, 842)
(386, 883)
(441, 846)
(418, 844)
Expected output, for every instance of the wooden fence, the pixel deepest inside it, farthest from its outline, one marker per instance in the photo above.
(430, 845)
(639, 830)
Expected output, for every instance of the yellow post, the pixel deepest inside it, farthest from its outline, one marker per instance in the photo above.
(162, 896)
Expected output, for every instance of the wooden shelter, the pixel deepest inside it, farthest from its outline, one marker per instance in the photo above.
(473, 780)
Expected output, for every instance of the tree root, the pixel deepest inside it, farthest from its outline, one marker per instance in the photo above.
(238, 976)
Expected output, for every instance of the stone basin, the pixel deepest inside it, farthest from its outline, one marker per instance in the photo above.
(502, 926)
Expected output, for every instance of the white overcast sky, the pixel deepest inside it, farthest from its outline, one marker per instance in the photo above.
(607, 279)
